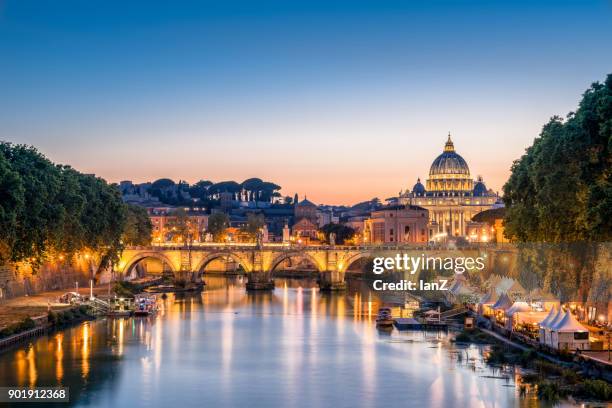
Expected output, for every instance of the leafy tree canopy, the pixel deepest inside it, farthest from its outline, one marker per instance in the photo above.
(560, 189)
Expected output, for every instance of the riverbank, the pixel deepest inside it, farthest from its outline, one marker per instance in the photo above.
(33, 327)
(550, 378)
(17, 309)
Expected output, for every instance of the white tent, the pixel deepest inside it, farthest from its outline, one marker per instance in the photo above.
(488, 300)
(569, 334)
(503, 303)
(544, 324)
(551, 323)
(518, 306)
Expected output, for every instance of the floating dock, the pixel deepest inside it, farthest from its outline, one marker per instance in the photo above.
(413, 324)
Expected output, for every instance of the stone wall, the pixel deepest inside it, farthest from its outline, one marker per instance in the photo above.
(21, 279)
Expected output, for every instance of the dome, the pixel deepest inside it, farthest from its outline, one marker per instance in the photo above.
(418, 189)
(480, 190)
(449, 162)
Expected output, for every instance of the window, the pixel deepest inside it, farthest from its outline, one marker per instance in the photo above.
(581, 336)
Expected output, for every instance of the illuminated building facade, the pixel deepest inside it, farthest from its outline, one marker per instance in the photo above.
(450, 195)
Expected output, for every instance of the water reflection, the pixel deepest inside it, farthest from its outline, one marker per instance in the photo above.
(292, 347)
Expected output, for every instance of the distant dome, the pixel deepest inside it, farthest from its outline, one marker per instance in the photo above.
(449, 162)
(306, 203)
(480, 190)
(418, 189)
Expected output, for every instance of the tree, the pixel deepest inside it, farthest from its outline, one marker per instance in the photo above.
(217, 224)
(200, 189)
(560, 189)
(255, 222)
(179, 226)
(11, 205)
(559, 193)
(138, 228)
(225, 187)
(343, 232)
(46, 209)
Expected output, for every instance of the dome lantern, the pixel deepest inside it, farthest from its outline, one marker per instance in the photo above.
(449, 146)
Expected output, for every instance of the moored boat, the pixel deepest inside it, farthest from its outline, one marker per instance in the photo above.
(384, 317)
(145, 305)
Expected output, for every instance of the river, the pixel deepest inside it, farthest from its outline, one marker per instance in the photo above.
(293, 347)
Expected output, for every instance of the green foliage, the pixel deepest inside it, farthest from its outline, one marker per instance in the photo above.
(255, 222)
(16, 328)
(559, 195)
(598, 389)
(497, 355)
(560, 189)
(548, 391)
(126, 289)
(179, 226)
(52, 209)
(60, 319)
(138, 227)
(217, 223)
(343, 232)
(11, 201)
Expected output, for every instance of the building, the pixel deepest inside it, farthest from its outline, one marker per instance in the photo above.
(305, 220)
(306, 209)
(396, 224)
(450, 194)
(165, 224)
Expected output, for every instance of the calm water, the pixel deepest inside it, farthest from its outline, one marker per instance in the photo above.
(294, 347)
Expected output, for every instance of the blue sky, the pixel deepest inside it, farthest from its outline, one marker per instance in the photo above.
(342, 101)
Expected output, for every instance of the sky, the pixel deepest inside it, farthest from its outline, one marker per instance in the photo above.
(341, 101)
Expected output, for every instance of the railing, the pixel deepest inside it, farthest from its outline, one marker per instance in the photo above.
(294, 247)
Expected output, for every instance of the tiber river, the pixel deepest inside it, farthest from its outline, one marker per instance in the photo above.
(294, 347)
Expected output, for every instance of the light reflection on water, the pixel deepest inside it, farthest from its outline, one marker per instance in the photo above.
(294, 347)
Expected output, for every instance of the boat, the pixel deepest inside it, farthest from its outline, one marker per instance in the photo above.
(145, 305)
(120, 307)
(384, 318)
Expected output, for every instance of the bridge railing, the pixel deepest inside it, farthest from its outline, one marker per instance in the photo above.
(294, 247)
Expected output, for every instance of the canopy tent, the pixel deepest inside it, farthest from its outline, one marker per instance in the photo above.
(488, 300)
(529, 317)
(544, 324)
(493, 281)
(569, 334)
(510, 286)
(518, 306)
(503, 303)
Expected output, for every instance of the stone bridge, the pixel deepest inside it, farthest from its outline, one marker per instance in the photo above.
(187, 263)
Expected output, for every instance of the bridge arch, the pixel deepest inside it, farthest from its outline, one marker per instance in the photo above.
(352, 258)
(296, 254)
(133, 261)
(216, 255)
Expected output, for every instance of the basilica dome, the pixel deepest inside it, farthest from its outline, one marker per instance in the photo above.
(449, 163)
(480, 189)
(419, 188)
